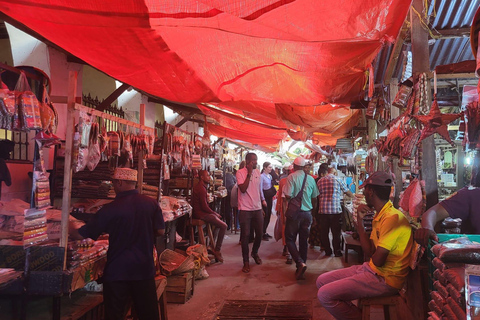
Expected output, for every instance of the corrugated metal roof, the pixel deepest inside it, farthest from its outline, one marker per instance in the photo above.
(450, 14)
(444, 15)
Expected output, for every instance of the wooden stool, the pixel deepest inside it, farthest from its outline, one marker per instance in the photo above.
(350, 243)
(394, 307)
(192, 223)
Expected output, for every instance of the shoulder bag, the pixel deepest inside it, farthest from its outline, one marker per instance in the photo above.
(295, 204)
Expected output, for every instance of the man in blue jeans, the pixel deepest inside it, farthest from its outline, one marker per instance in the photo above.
(300, 223)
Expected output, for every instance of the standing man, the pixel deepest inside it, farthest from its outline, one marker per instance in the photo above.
(132, 221)
(389, 246)
(202, 211)
(330, 190)
(250, 201)
(299, 224)
(230, 181)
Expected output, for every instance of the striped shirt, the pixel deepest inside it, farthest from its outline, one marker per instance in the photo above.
(331, 190)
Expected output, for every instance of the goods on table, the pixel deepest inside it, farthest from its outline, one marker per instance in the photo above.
(174, 207)
(83, 251)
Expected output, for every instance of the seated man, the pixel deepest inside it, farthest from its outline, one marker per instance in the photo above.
(389, 247)
(202, 211)
(462, 204)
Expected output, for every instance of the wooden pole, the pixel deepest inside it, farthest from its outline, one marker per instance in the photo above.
(421, 63)
(67, 175)
(140, 154)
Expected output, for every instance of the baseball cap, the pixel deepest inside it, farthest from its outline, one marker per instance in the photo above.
(379, 178)
(299, 161)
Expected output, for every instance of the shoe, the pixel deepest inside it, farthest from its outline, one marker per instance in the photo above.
(218, 256)
(289, 260)
(265, 237)
(246, 267)
(328, 253)
(256, 258)
(266, 234)
(300, 271)
(285, 252)
(338, 254)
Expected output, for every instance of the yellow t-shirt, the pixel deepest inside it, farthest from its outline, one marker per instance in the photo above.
(391, 231)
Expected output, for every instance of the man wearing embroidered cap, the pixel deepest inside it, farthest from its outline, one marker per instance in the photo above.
(299, 223)
(132, 221)
(389, 247)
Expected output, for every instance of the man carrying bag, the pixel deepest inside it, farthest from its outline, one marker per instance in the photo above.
(300, 191)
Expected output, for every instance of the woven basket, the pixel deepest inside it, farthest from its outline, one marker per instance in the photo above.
(172, 262)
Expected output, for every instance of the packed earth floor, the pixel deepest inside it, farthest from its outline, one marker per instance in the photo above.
(273, 280)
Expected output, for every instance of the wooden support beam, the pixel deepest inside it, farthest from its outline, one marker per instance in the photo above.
(67, 171)
(115, 94)
(466, 75)
(421, 63)
(184, 120)
(141, 154)
(397, 49)
(453, 33)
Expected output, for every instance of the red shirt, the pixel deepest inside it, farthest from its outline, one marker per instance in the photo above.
(199, 202)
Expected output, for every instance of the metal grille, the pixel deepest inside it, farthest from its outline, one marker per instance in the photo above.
(20, 151)
(265, 310)
(93, 103)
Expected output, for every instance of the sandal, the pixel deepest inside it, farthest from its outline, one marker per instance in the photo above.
(246, 267)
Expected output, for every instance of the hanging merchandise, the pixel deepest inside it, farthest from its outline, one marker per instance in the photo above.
(414, 199)
(8, 107)
(403, 94)
(436, 122)
(28, 107)
(94, 154)
(80, 142)
(48, 113)
(409, 144)
(372, 107)
(472, 122)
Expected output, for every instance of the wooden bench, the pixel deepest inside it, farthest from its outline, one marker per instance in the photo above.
(350, 243)
(394, 307)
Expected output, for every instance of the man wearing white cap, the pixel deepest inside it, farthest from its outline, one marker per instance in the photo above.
(299, 222)
(132, 221)
(389, 246)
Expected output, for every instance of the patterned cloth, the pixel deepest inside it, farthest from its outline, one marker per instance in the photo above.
(331, 190)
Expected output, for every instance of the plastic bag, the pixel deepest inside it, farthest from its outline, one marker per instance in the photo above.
(94, 153)
(48, 113)
(7, 107)
(455, 276)
(28, 106)
(403, 94)
(457, 252)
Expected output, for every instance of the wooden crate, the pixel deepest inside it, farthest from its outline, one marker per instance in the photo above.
(180, 287)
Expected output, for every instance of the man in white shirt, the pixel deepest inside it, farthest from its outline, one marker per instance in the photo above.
(250, 201)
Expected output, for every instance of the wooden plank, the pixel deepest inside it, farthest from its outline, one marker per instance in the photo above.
(421, 63)
(104, 115)
(141, 153)
(397, 49)
(464, 75)
(67, 173)
(112, 97)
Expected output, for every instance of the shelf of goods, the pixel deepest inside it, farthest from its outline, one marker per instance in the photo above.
(451, 262)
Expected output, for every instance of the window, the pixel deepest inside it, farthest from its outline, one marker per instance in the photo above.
(20, 151)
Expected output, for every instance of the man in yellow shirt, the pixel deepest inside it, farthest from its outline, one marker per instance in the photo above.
(389, 247)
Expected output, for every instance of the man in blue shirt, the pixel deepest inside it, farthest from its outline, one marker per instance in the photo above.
(132, 221)
(300, 223)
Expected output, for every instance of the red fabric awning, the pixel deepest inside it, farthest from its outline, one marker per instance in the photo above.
(251, 56)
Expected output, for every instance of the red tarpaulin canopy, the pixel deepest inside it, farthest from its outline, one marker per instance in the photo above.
(246, 56)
